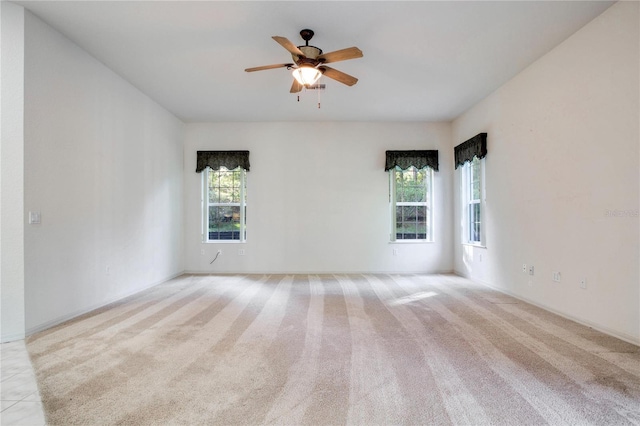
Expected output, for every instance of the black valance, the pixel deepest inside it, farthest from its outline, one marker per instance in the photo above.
(417, 159)
(217, 159)
(474, 147)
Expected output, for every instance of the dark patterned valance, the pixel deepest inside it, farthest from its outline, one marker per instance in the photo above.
(217, 159)
(417, 159)
(474, 147)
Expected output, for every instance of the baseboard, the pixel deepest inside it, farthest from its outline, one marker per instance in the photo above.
(318, 272)
(65, 318)
(605, 330)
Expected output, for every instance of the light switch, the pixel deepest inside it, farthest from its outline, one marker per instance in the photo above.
(34, 218)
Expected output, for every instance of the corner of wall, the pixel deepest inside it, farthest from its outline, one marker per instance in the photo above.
(12, 308)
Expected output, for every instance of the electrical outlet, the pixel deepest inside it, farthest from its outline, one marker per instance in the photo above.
(240, 252)
(524, 268)
(530, 270)
(395, 252)
(583, 283)
(555, 276)
(202, 252)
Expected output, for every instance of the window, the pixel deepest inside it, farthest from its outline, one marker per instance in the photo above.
(224, 203)
(411, 195)
(472, 191)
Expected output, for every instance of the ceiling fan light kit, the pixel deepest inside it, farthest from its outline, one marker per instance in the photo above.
(306, 75)
(309, 62)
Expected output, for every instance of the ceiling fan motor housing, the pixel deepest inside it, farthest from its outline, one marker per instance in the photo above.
(311, 52)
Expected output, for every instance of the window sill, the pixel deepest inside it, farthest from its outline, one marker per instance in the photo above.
(478, 245)
(224, 242)
(411, 242)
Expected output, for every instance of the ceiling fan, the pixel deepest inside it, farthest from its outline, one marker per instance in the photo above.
(309, 62)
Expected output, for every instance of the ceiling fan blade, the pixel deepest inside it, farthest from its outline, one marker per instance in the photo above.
(340, 55)
(295, 87)
(268, 67)
(292, 48)
(338, 76)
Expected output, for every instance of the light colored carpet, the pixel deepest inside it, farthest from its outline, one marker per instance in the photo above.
(332, 349)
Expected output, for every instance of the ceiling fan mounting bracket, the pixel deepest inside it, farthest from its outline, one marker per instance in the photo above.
(306, 35)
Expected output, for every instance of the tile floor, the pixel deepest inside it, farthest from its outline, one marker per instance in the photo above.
(21, 404)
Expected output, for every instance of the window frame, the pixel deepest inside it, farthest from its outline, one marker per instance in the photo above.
(428, 203)
(466, 181)
(206, 204)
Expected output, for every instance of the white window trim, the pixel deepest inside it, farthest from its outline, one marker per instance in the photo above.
(464, 191)
(205, 204)
(392, 209)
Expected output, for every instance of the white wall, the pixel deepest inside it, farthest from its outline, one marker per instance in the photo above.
(103, 166)
(12, 313)
(563, 142)
(318, 198)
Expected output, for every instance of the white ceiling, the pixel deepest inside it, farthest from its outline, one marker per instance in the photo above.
(423, 60)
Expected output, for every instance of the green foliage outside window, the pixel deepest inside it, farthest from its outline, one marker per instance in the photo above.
(411, 196)
(224, 189)
(410, 185)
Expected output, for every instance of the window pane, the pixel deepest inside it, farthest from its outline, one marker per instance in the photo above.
(408, 213)
(411, 231)
(410, 185)
(399, 186)
(474, 222)
(212, 186)
(474, 171)
(473, 191)
(225, 195)
(225, 187)
(411, 222)
(224, 222)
